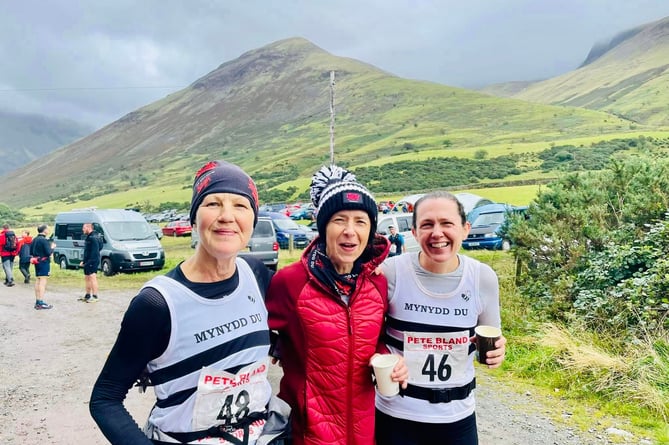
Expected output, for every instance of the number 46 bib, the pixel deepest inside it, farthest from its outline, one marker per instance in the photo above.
(435, 358)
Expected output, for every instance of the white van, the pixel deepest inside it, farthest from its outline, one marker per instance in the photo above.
(129, 242)
(403, 223)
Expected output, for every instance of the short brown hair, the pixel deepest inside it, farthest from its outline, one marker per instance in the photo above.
(437, 195)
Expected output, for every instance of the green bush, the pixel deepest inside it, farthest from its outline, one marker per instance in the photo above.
(9, 215)
(593, 249)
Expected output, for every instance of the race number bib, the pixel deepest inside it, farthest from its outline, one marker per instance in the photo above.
(435, 358)
(226, 399)
(393, 248)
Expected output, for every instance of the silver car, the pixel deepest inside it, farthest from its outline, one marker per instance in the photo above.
(403, 222)
(262, 245)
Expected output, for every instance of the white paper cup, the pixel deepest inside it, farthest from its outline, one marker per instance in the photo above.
(486, 336)
(383, 368)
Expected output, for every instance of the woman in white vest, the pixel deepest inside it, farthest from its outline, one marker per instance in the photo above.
(436, 299)
(198, 334)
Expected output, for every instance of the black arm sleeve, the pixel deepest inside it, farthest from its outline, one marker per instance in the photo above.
(144, 335)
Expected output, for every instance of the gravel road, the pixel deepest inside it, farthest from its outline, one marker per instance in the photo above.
(50, 359)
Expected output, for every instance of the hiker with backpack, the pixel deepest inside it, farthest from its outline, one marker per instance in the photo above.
(9, 248)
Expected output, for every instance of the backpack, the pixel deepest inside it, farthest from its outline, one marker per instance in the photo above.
(10, 241)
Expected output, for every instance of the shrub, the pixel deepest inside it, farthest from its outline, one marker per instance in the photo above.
(594, 247)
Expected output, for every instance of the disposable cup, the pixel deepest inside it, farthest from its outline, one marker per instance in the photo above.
(383, 368)
(486, 337)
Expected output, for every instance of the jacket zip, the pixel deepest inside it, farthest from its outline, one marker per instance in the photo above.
(349, 406)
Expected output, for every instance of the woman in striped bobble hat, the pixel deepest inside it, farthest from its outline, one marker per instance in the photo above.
(328, 309)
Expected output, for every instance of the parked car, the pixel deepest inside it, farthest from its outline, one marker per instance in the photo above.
(470, 201)
(285, 229)
(276, 207)
(180, 217)
(177, 228)
(262, 245)
(403, 222)
(311, 233)
(488, 222)
(157, 230)
(152, 217)
(304, 212)
(312, 230)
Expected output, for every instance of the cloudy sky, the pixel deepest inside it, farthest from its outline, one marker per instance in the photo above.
(95, 61)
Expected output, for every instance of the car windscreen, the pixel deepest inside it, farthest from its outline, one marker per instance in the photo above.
(286, 224)
(488, 219)
(263, 230)
(128, 230)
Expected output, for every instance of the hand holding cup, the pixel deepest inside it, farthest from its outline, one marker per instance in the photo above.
(383, 365)
(486, 337)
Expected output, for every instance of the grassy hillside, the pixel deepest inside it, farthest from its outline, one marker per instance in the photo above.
(268, 111)
(630, 79)
(518, 173)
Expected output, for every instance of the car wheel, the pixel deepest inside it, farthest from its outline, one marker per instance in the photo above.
(62, 262)
(107, 268)
(506, 245)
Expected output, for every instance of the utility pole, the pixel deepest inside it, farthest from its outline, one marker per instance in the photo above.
(332, 116)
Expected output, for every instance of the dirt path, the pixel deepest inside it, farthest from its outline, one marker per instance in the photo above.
(49, 361)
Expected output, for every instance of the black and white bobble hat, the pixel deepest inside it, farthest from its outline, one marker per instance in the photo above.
(333, 189)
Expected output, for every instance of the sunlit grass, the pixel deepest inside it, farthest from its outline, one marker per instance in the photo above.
(119, 200)
(592, 381)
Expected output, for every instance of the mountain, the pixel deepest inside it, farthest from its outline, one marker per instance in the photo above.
(268, 111)
(27, 137)
(507, 89)
(627, 76)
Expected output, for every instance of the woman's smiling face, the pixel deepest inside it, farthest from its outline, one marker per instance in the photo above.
(440, 231)
(224, 223)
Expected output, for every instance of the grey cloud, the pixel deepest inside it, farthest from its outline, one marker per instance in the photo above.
(95, 61)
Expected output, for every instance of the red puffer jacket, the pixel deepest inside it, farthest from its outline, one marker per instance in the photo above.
(325, 349)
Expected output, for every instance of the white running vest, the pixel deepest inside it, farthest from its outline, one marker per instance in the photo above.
(231, 332)
(436, 357)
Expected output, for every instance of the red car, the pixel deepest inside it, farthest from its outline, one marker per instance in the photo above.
(177, 228)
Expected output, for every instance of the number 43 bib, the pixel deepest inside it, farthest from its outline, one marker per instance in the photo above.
(435, 358)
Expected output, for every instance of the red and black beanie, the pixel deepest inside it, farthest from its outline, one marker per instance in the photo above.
(222, 177)
(333, 189)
